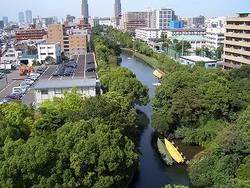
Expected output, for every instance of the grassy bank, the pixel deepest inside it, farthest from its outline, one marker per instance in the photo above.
(151, 61)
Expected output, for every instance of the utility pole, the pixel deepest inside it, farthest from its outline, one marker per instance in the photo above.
(182, 48)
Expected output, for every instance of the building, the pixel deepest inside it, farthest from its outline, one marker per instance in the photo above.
(147, 34)
(70, 19)
(163, 17)
(176, 24)
(196, 41)
(21, 17)
(72, 41)
(214, 37)
(188, 23)
(51, 50)
(85, 11)
(10, 56)
(198, 22)
(1, 24)
(44, 22)
(5, 20)
(184, 31)
(133, 20)
(28, 16)
(84, 82)
(193, 60)
(237, 41)
(30, 34)
(118, 11)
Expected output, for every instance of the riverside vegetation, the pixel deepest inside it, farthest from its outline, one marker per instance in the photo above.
(206, 107)
(75, 141)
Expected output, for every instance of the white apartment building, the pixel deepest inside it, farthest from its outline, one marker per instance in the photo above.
(215, 37)
(49, 49)
(146, 34)
(49, 89)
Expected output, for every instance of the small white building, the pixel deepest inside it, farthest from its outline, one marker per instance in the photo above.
(215, 37)
(192, 60)
(10, 56)
(146, 34)
(49, 49)
(48, 89)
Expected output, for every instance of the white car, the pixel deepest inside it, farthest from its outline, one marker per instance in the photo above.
(29, 81)
(35, 74)
(19, 89)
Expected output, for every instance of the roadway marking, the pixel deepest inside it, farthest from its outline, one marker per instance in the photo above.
(8, 86)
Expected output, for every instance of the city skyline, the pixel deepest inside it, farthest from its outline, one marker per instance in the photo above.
(187, 8)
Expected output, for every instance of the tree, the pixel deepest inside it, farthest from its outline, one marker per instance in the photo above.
(50, 60)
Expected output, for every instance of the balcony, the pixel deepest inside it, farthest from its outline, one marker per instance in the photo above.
(238, 43)
(238, 19)
(238, 27)
(237, 35)
(237, 51)
(237, 59)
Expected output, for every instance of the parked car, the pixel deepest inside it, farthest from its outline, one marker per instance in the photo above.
(19, 90)
(29, 81)
(90, 70)
(14, 96)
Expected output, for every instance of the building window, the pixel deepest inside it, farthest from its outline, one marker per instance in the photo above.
(58, 91)
(50, 53)
(43, 53)
(44, 92)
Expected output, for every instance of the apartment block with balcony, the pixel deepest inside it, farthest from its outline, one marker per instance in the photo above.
(215, 37)
(133, 20)
(237, 41)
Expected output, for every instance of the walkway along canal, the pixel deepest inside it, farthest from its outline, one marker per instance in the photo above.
(152, 171)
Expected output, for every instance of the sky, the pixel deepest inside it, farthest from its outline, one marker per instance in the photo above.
(105, 8)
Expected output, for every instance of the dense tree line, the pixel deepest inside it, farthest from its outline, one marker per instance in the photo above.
(210, 108)
(75, 141)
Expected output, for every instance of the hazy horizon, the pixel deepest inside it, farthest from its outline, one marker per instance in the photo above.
(99, 8)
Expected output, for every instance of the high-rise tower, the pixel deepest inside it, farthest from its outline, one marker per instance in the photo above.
(28, 15)
(85, 10)
(118, 11)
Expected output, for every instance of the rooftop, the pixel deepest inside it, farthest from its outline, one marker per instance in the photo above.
(190, 38)
(58, 84)
(195, 58)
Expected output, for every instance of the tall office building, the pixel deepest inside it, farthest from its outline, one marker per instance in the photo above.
(21, 17)
(133, 20)
(28, 16)
(237, 41)
(5, 20)
(85, 10)
(118, 11)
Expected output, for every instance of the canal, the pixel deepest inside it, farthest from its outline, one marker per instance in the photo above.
(152, 172)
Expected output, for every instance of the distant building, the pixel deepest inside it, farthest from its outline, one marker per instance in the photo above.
(1, 24)
(10, 55)
(85, 10)
(30, 34)
(163, 18)
(52, 50)
(133, 20)
(70, 19)
(146, 34)
(72, 41)
(44, 22)
(198, 21)
(118, 11)
(21, 18)
(184, 31)
(176, 24)
(28, 16)
(237, 41)
(193, 60)
(5, 20)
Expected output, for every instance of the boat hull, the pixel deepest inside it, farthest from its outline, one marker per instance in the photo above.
(164, 153)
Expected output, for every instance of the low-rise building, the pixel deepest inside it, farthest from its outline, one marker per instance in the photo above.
(184, 31)
(11, 55)
(146, 34)
(196, 41)
(49, 50)
(49, 89)
(193, 60)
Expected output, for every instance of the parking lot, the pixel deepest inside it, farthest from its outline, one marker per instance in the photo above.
(85, 68)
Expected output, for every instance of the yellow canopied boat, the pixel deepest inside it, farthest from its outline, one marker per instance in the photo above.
(157, 74)
(175, 154)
